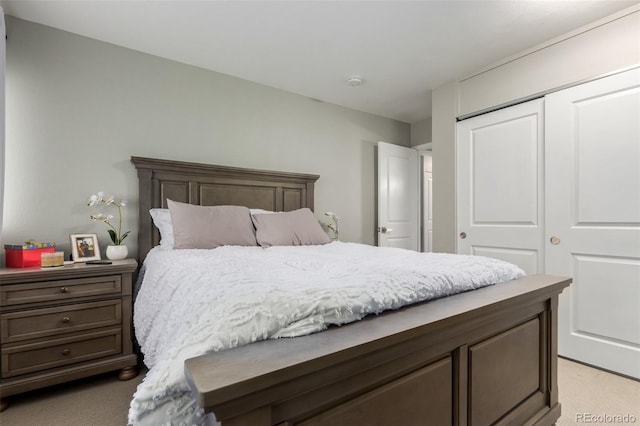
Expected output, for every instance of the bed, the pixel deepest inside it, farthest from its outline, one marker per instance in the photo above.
(486, 356)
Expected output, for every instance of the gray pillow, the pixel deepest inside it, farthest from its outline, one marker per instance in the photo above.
(207, 227)
(294, 228)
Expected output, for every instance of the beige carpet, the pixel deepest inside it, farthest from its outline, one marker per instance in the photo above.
(97, 401)
(104, 400)
(589, 395)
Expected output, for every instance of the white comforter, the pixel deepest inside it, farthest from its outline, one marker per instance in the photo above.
(196, 301)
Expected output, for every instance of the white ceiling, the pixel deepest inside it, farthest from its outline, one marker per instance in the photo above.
(402, 49)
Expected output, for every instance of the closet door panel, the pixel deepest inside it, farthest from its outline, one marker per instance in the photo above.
(593, 215)
(607, 150)
(499, 185)
(514, 144)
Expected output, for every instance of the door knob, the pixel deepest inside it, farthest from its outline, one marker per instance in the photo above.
(463, 235)
(554, 240)
(384, 230)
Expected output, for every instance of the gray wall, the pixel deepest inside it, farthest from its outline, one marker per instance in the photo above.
(78, 109)
(445, 103)
(421, 132)
(605, 46)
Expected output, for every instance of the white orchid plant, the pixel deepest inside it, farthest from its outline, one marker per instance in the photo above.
(334, 227)
(109, 200)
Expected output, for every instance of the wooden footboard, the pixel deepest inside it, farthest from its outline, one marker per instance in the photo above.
(478, 358)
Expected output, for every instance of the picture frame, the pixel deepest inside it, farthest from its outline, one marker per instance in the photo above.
(84, 247)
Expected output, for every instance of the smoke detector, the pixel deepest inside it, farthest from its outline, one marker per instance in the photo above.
(354, 80)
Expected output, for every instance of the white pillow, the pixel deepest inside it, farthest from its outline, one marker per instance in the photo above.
(162, 221)
(260, 211)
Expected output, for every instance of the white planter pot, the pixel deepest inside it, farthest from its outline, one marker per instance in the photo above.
(117, 252)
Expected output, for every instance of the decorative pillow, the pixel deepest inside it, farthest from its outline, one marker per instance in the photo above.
(207, 227)
(162, 220)
(294, 228)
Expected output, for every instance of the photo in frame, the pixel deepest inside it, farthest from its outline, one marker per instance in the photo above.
(84, 247)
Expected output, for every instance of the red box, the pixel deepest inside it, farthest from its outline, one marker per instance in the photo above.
(26, 255)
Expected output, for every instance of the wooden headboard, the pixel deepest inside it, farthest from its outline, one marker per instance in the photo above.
(209, 185)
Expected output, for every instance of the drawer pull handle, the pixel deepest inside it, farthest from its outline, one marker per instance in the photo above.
(66, 351)
(66, 319)
(64, 290)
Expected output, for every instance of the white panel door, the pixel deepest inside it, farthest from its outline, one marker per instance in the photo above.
(499, 185)
(397, 196)
(593, 216)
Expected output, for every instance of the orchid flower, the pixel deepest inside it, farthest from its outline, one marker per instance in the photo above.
(115, 234)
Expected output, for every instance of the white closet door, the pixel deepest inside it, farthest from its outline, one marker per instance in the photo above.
(593, 219)
(500, 183)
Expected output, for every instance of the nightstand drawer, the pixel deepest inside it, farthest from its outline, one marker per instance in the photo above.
(51, 291)
(33, 357)
(36, 323)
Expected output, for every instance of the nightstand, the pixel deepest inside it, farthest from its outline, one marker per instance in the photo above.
(62, 324)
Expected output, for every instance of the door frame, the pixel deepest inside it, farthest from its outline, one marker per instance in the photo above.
(423, 150)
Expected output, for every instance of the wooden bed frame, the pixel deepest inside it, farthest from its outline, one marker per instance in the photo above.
(477, 358)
